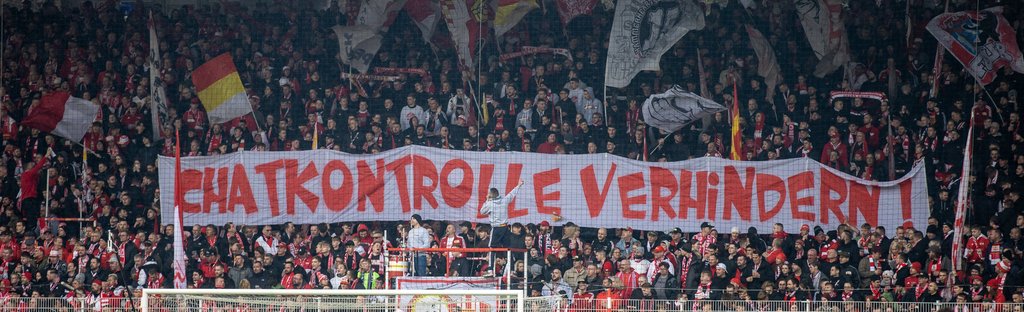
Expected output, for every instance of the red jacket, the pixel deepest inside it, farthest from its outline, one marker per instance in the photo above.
(976, 248)
(29, 181)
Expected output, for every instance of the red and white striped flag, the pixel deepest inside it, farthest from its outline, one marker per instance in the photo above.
(962, 200)
(180, 280)
(62, 114)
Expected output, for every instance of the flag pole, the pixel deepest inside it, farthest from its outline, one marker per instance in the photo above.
(604, 94)
(46, 215)
(963, 197)
(479, 104)
(892, 144)
(660, 144)
(180, 279)
(85, 184)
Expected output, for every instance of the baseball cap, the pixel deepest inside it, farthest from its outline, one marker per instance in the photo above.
(706, 225)
(676, 230)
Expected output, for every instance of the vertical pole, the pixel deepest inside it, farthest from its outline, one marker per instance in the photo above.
(520, 306)
(387, 263)
(85, 189)
(892, 78)
(604, 103)
(508, 269)
(526, 270)
(145, 302)
(47, 190)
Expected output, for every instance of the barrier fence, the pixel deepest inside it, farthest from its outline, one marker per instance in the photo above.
(11, 303)
(531, 304)
(563, 304)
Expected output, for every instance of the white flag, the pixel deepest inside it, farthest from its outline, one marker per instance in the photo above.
(465, 27)
(676, 108)
(379, 14)
(357, 45)
(157, 94)
(822, 21)
(180, 277)
(767, 66)
(643, 30)
(983, 41)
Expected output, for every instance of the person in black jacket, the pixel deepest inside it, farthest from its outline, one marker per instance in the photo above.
(757, 271)
(666, 285)
(755, 240)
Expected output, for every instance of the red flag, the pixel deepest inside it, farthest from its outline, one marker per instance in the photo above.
(425, 14)
(570, 9)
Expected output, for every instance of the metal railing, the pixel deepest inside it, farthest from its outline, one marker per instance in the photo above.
(562, 304)
(30, 304)
(531, 304)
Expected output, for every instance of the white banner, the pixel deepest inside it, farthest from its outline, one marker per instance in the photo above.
(643, 30)
(452, 302)
(596, 190)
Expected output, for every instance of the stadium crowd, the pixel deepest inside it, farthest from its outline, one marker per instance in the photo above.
(542, 103)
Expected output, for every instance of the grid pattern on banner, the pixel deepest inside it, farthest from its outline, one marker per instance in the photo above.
(279, 145)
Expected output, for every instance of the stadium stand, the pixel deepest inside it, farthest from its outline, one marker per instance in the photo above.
(86, 226)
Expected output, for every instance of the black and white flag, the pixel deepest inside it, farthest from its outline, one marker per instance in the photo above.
(157, 92)
(676, 108)
(644, 30)
(357, 45)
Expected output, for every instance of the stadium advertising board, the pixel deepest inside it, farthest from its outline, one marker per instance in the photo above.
(597, 190)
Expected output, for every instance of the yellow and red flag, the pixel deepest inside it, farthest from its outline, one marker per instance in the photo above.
(736, 151)
(220, 89)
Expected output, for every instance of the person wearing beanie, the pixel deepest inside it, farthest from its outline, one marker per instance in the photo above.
(755, 240)
(705, 238)
(418, 238)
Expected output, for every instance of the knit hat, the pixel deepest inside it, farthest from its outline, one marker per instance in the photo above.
(1003, 266)
(994, 283)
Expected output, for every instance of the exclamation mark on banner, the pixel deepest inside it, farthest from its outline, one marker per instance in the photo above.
(906, 189)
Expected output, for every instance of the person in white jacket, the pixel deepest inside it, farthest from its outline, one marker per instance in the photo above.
(496, 208)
